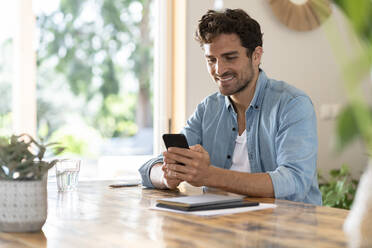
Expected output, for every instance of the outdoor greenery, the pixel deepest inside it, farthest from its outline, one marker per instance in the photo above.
(94, 71)
(339, 190)
(21, 158)
(94, 78)
(5, 88)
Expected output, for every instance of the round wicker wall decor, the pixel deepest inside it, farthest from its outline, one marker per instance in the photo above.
(301, 15)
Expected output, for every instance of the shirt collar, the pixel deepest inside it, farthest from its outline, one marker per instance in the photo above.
(258, 94)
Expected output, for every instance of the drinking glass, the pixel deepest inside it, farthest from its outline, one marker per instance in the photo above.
(67, 173)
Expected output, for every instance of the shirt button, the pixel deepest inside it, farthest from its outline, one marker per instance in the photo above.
(256, 107)
(228, 156)
(234, 129)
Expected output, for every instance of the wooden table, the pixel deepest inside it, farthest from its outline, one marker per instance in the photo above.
(98, 216)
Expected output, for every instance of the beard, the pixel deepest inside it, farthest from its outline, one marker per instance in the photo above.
(240, 84)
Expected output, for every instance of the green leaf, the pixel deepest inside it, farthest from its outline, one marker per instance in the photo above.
(3, 174)
(19, 163)
(346, 129)
(334, 172)
(339, 190)
(344, 170)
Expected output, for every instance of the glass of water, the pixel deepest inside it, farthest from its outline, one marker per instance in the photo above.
(67, 173)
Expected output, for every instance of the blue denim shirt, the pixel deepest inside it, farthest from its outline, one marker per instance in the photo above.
(281, 137)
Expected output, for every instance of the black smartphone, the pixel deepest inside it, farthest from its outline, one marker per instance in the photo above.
(175, 140)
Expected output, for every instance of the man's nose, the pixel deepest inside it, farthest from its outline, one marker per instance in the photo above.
(220, 68)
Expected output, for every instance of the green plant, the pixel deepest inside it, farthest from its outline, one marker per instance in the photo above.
(355, 120)
(339, 190)
(21, 158)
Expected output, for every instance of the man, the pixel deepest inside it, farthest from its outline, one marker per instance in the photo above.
(256, 137)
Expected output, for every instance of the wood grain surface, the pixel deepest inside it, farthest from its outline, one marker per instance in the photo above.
(99, 216)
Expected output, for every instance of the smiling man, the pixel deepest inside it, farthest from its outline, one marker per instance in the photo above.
(256, 136)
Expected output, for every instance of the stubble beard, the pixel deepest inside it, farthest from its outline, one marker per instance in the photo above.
(240, 87)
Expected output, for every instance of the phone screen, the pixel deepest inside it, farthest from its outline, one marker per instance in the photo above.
(175, 140)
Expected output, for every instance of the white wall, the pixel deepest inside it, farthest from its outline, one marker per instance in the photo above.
(303, 59)
(198, 82)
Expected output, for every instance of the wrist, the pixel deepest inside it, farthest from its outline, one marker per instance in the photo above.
(213, 177)
(164, 182)
(157, 177)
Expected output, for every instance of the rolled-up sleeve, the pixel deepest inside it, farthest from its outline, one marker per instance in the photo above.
(145, 171)
(296, 146)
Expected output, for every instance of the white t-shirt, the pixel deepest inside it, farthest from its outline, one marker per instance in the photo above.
(240, 161)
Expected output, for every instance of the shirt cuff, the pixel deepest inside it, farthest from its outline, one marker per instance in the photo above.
(145, 171)
(282, 182)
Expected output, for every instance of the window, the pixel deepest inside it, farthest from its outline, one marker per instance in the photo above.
(94, 83)
(95, 63)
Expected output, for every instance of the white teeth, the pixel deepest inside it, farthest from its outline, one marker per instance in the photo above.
(226, 79)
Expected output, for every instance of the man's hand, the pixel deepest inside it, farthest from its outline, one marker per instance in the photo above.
(198, 172)
(196, 164)
(159, 179)
(170, 182)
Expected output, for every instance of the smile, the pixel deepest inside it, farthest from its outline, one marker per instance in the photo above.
(226, 79)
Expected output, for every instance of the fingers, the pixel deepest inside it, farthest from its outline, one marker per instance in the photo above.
(181, 151)
(176, 176)
(172, 177)
(172, 183)
(186, 157)
(197, 148)
(168, 160)
(178, 168)
(181, 160)
(187, 152)
(179, 172)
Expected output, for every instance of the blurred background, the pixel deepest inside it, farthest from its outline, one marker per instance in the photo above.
(93, 72)
(108, 78)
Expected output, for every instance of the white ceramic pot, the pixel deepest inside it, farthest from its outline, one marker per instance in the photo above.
(23, 205)
(358, 224)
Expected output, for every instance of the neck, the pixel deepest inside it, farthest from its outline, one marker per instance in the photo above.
(242, 99)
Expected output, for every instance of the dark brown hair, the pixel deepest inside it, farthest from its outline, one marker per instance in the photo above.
(229, 21)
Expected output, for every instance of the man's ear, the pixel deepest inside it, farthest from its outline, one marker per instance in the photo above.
(257, 55)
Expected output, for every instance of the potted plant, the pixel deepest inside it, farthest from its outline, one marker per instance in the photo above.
(23, 181)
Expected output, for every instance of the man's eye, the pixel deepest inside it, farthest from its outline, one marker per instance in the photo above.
(231, 58)
(211, 61)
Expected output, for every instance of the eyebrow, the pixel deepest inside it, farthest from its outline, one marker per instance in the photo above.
(224, 54)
